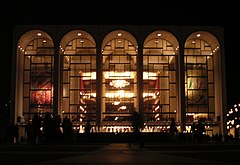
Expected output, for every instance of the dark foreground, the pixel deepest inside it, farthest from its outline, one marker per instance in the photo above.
(121, 153)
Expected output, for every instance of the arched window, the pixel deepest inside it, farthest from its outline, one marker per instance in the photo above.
(119, 78)
(200, 55)
(159, 77)
(36, 55)
(78, 92)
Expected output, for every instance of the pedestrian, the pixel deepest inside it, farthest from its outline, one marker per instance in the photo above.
(193, 132)
(173, 130)
(136, 122)
(36, 135)
(200, 130)
(88, 127)
(136, 125)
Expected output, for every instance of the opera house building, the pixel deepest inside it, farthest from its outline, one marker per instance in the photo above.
(103, 73)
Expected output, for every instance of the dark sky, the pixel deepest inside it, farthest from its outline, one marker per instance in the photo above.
(87, 13)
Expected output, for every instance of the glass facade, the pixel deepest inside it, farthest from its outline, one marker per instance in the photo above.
(119, 81)
(79, 80)
(104, 75)
(159, 80)
(38, 76)
(199, 80)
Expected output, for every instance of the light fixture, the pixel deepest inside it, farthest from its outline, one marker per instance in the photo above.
(119, 83)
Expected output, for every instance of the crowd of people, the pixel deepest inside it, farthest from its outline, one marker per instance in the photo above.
(54, 129)
(41, 130)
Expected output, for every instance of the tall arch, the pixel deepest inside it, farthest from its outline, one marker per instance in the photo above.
(78, 77)
(203, 92)
(35, 74)
(119, 79)
(160, 91)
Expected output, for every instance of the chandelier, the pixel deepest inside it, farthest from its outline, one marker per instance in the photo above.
(119, 83)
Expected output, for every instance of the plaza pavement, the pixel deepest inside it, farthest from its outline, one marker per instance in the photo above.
(121, 153)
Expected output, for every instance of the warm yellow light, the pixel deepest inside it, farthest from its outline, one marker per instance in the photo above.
(119, 83)
(116, 103)
(119, 75)
(120, 94)
(149, 76)
(89, 75)
(149, 95)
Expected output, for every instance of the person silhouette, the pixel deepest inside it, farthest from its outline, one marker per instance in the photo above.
(200, 130)
(88, 127)
(173, 130)
(136, 125)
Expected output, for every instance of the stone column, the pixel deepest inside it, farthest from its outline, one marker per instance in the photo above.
(99, 87)
(56, 81)
(140, 81)
(181, 88)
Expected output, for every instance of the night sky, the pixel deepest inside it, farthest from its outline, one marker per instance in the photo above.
(88, 14)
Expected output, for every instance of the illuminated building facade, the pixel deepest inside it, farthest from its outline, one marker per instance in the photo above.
(104, 72)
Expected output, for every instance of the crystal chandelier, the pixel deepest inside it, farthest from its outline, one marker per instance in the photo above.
(119, 83)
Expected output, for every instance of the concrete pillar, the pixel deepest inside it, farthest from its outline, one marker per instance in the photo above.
(99, 87)
(140, 80)
(56, 82)
(181, 87)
